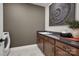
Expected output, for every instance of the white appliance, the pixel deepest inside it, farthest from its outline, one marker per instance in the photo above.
(5, 44)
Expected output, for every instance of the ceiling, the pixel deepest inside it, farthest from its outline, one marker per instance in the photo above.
(41, 4)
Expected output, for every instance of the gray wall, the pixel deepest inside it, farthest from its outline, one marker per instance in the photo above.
(1, 19)
(22, 21)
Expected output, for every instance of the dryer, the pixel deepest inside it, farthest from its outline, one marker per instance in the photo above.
(6, 43)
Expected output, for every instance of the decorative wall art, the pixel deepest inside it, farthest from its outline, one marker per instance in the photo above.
(59, 13)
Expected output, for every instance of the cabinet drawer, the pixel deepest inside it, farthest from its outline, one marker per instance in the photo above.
(44, 37)
(51, 40)
(72, 50)
(41, 36)
(60, 52)
(67, 48)
(61, 45)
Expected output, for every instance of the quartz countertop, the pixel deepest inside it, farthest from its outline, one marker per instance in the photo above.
(56, 36)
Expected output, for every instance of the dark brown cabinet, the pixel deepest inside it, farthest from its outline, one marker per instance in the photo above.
(45, 46)
(53, 47)
(71, 50)
(40, 40)
(60, 52)
(48, 48)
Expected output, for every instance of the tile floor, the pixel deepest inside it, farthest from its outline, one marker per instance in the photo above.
(30, 50)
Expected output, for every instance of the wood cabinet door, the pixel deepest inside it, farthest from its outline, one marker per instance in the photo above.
(68, 48)
(40, 42)
(60, 52)
(48, 48)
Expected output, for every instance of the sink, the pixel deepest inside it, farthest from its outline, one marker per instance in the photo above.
(45, 33)
(49, 34)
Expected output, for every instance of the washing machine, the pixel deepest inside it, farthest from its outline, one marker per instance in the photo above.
(5, 43)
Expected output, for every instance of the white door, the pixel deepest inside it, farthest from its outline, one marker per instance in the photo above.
(1, 27)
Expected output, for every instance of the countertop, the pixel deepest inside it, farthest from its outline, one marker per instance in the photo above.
(56, 36)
